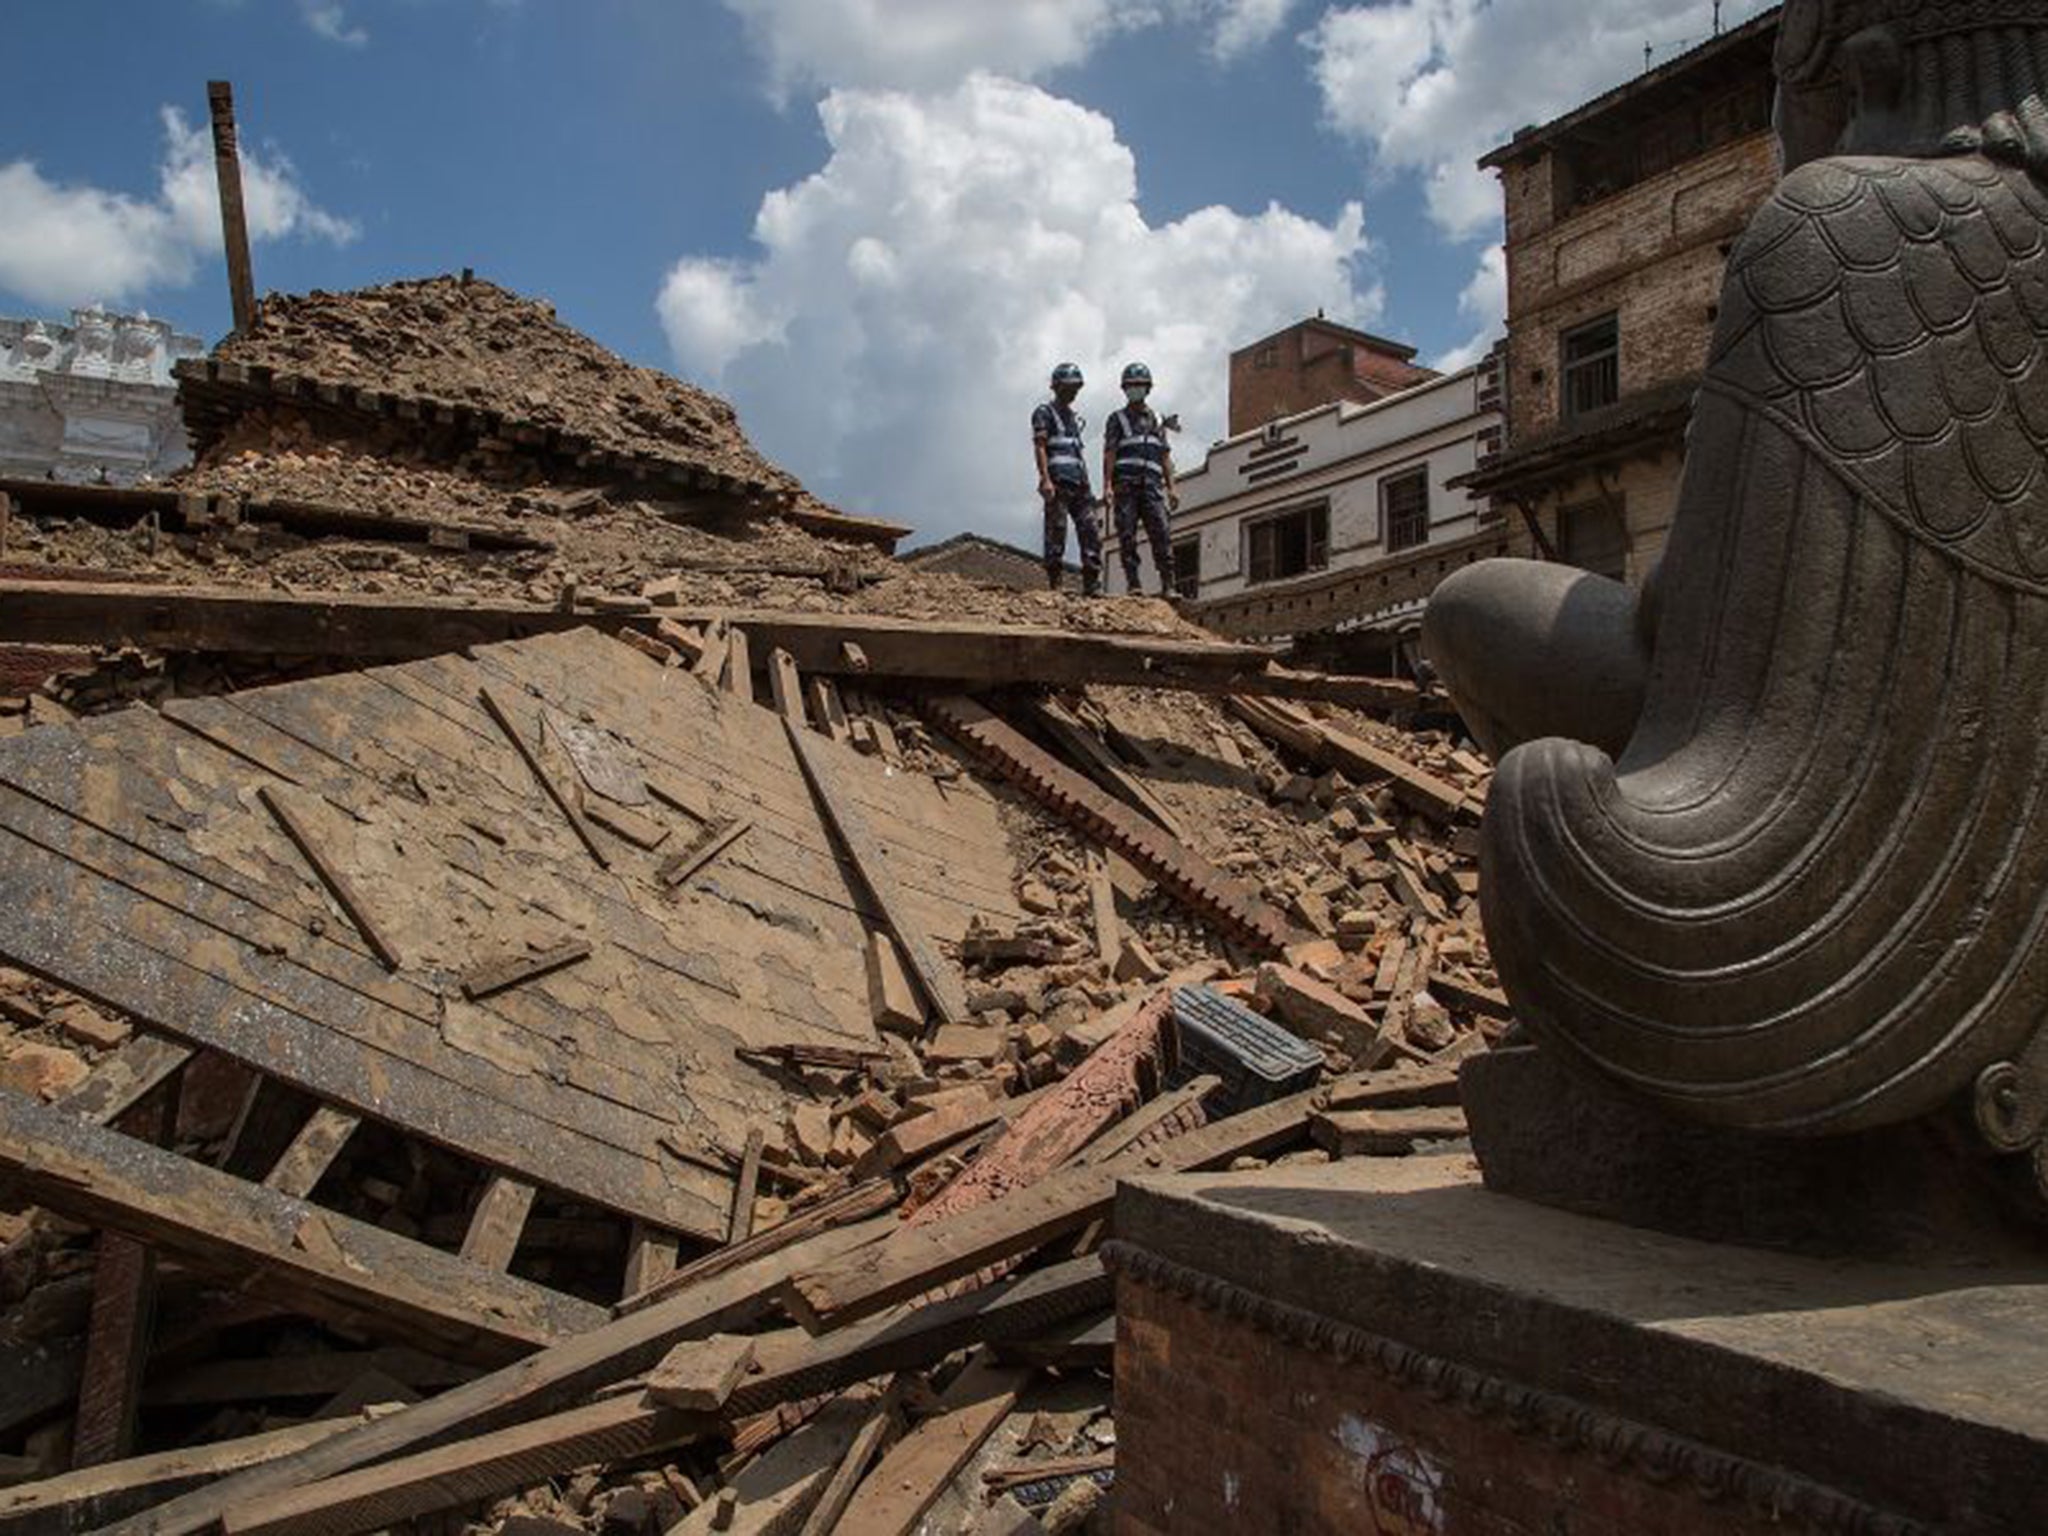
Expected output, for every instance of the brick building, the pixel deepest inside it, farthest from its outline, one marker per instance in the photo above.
(1312, 363)
(1620, 218)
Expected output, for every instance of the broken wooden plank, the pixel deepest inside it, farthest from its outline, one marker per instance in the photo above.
(908, 1480)
(622, 821)
(699, 1374)
(1383, 1132)
(298, 828)
(738, 677)
(122, 1080)
(940, 985)
(547, 1381)
(650, 1259)
(772, 1494)
(714, 840)
(862, 1206)
(786, 685)
(717, 643)
(514, 970)
(826, 710)
(84, 1500)
(494, 1227)
(312, 1151)
(218, 1221)
(1109, 938)
(892, 1000)
(1327, 746)
(741, 1225)
(459, 1474)
(882, 1423)
(501, 712)
(914, 1259)
(1469, 996)
(1101, 764)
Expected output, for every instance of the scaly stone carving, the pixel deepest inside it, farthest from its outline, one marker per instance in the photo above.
(1811, 892)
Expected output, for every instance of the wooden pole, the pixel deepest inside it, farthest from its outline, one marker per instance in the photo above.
(234, 226)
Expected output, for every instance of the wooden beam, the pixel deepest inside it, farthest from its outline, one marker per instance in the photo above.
(909, 1479)
(786, 684)
(915, 1259)
(83, 1500)
(312, 1151)
(864, 1207)
(494, 1226)
(776, 1490)
(738, 679)
(741, 1225)
(650, 1259)
(826, 710)
(940, 985)
(330, 1264)
(299, 829)
(234, 225)
(263, 1378)
(1325, 746)
(501, 711)
(122, 1080)
(1109, 935)
(714, 840)
(1102, 765)
(495, 976)
(120, 1321)
(547, 1381)
(883, 1420)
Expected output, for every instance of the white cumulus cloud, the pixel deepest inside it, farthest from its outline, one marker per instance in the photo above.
(889, 338)
(1430, 85)
(327, 19)
(1242, 25)
(1485, 299)
(62, 245)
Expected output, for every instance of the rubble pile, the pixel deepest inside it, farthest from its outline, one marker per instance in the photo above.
(905, 1325)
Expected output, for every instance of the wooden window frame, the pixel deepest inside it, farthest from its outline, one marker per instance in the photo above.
(1419, 474)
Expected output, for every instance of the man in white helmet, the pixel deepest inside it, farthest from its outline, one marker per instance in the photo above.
(1137, 462)
(1056, 429)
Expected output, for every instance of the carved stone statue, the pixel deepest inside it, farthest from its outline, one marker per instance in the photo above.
(1791, 873)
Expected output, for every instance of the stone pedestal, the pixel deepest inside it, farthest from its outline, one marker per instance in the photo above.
(1388, 1346)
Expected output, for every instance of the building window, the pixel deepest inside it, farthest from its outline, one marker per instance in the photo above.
(1267, 356)
(1289, 544)
(1594, 537)
(1187, 567)
(1404, 509)
(1589, 371)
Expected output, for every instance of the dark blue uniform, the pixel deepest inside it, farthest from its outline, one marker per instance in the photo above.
(1072, 497)
(1135, 441)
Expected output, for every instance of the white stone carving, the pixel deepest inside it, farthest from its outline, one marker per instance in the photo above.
(91, 401)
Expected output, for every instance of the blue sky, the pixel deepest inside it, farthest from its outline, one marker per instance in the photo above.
(873, 224)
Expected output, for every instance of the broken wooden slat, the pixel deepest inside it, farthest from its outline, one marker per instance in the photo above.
(514, 970)
(786, 685)
(774, 1492)
(710, 662)
(84, 1500)
(914, 1259)
(640, 831)
(551, 1379)
(217, 1220)
(714, 840)
(316, 1146)
(463, 1473)
(699, 1375)
(861, 1206)
(826, 710)
(738, 678)
(299, 829)
(741, 1226)
(941, 987)
(1098, 762)
(882, 1422)
(494, 1226)
(909, 1479)
(650, 1259)
(1109, 938)
(892, 1000)
(122, 1080)
(502, 713)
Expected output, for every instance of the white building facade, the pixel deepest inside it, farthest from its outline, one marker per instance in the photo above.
(1305, 503)
(92, 402)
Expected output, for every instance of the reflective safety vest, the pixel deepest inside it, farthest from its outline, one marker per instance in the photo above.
(1062, 429)
(1140, 444)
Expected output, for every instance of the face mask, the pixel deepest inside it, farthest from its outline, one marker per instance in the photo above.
(1135, 393)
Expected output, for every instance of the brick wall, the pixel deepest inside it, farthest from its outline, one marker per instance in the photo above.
(1648, 487)
(1306, 366)
(1224, 1428)
(1653, 255)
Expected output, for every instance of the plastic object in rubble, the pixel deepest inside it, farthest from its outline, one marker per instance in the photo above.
(1257, 1060)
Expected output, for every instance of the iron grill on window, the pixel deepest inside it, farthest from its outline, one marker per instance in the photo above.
(1289, 544)
(1590, 371)
(1406, 504)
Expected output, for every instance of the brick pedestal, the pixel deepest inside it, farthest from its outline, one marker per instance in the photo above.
(1386, 1347)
